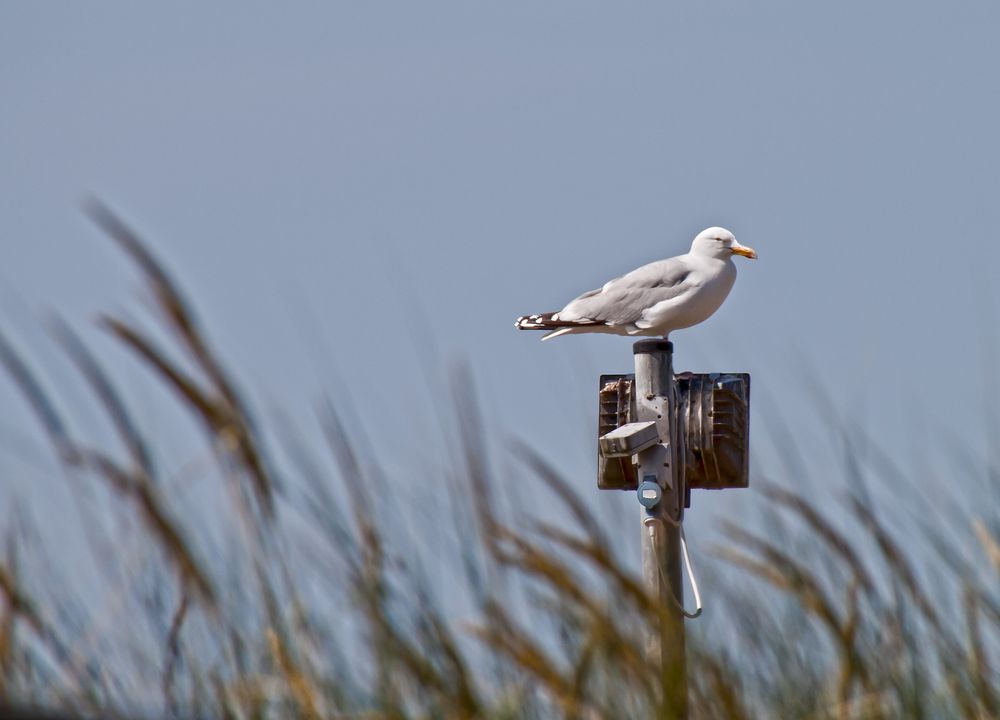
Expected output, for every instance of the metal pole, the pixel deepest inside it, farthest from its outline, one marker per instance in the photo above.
(656, 400)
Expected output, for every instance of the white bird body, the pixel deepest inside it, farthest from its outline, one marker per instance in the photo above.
(654, 299)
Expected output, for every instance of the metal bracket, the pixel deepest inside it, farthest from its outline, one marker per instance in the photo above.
(630, 439)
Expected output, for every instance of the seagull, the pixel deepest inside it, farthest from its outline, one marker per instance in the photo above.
(654, 299)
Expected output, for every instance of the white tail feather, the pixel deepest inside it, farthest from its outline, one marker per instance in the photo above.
(557, 333)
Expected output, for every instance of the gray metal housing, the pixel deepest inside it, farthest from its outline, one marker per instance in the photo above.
(714, 418)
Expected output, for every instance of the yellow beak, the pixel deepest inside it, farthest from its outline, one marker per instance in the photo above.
(745, 251)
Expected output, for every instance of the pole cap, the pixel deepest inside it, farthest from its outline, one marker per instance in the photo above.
(648, 347)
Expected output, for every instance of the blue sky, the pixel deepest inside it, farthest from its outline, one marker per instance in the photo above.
(323, 176)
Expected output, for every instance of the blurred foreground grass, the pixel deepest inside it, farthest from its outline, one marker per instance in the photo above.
(304, 602)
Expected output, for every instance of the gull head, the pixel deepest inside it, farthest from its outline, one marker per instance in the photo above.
(720, 243)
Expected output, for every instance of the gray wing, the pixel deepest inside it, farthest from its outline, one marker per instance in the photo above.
(623, 300)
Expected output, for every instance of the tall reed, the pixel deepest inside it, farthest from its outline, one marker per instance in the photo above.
(311, 606)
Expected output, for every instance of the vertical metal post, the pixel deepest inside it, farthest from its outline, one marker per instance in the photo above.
(656, 400)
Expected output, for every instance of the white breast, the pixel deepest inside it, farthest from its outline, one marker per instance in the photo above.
(712, 281)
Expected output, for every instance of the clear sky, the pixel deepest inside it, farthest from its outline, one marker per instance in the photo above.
(397, 170)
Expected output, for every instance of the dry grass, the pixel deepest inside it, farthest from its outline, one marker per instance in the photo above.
(313, 608)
